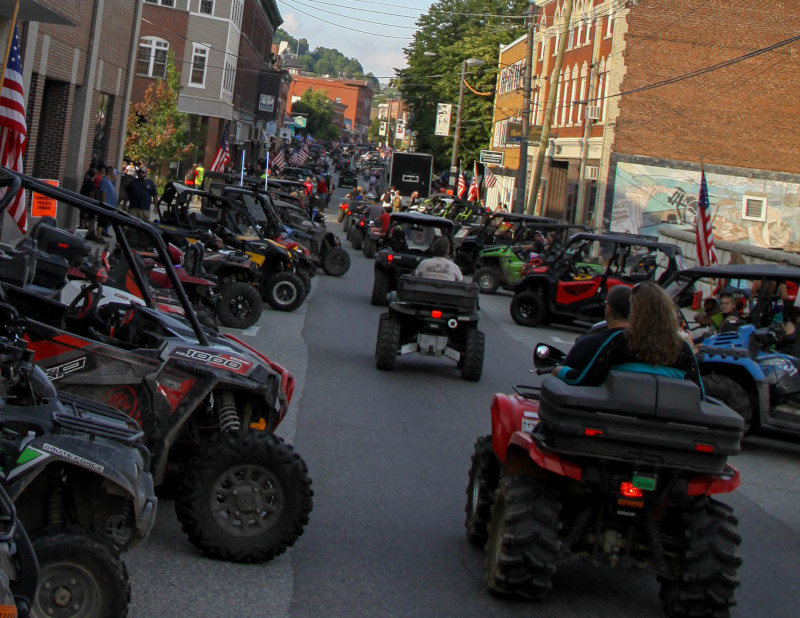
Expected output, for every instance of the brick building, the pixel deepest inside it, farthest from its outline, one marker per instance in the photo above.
(356, 95)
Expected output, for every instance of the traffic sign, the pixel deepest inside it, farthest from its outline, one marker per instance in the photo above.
(491, 157)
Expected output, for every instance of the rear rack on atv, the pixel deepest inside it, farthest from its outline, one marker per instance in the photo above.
(97, 419)
(529, 392)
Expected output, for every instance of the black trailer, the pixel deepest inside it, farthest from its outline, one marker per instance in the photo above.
(411, 171)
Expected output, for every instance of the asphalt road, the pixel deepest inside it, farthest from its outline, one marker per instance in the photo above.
(389, 454)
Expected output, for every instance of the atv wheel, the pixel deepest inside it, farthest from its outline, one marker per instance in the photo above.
(358, 239)
(473, 355)
(285, 291)
(340, 215)
(483, 478)
(244, 497)
(79, 576)
(239, 305)
(732, 394)
(710, 564)
(380, 288)
(369, 248)
(523, 539)
(528, 309)
(487, 280)
(336, 262)
(388, 342)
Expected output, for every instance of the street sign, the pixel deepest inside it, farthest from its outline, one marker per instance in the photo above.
(400, 130)
(43, 206)
(492, 157)
(443, 113)
(299, 121)
(382, 130)
(514, 132)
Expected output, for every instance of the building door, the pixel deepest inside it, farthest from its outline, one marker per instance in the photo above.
(556, 201)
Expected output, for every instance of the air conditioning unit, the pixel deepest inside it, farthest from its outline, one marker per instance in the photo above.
(593, 112)
(591, 172)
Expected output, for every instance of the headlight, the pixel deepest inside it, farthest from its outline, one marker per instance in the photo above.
(778, 367)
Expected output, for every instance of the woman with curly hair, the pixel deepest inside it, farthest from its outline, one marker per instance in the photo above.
(651, 344)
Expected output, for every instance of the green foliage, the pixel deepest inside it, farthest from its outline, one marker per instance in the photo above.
(373, 133)
(453, 37)
(318, 109)
(324, 61)
(157, 132)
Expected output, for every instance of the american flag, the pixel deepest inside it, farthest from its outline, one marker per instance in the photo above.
(705, 236)
(278, 161)
(223, 156)
(489, 179)
(302, 156)
(473, 185)
(13, 131)
(461, 187)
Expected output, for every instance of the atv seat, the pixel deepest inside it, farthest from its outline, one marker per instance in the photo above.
(640, 417)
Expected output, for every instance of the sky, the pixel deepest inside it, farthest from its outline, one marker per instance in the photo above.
(361, 29)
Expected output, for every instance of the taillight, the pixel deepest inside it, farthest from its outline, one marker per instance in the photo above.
(704, 448)
(436, 314)
(390, 257)
(627, 490)
(593, 433)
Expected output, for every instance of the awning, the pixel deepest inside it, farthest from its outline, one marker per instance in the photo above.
(31, 10)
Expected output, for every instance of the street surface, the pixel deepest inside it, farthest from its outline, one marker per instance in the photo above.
(388, 453)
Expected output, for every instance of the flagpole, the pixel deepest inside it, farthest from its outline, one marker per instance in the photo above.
(8, 43)
(241, 175)
(266, 172)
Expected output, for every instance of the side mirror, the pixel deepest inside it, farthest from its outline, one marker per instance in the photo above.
(545, 356)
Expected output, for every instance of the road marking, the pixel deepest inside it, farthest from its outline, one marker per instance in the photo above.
(251, 332)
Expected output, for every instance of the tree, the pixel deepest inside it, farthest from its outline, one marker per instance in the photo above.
(157, 132)
(318, 110)
(452, 32)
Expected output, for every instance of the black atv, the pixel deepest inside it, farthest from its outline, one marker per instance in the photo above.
(348, 178)
(433, 318)
(406, 243)
(208, 404)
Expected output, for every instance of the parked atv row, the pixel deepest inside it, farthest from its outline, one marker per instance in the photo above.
(204, 405)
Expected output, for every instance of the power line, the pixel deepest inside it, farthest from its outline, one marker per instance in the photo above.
(366, 21)
(380, 34)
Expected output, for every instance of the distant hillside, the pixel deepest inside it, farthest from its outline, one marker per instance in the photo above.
(324, 61)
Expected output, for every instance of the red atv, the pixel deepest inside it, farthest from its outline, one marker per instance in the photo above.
(573, 283)
(619, 475)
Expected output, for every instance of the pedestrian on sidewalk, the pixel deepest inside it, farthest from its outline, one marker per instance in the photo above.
(143, 195)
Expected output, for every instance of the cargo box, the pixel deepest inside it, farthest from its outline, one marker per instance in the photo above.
(640, 417)
(457, 295)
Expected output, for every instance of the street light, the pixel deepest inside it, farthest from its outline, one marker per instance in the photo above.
(473, 62)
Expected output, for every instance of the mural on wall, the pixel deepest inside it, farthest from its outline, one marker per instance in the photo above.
(759, 212)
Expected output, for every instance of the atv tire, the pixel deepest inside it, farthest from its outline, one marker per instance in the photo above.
(474, 348)
(285, 291)
(523, 539)
(528, 309)
(79, 575)
(244, 497)
(732, 394)
(388, 342)
(380, 288)
(484, 474)
(335, 262)
(370, 247)
(487, 279)
(340, 215)
(358, 239)
(710, 564)
(239, 305)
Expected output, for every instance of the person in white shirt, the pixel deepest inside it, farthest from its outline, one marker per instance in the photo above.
(439, 266)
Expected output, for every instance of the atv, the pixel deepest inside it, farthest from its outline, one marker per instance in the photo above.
(406, 243)
(750, 364)
(19, 569)
(500, 265)
(207, 404)
(620, 475)
(348, 178)
(281, 275)
(573, 284)
(78, 475)
(432, 318)
(499, 229)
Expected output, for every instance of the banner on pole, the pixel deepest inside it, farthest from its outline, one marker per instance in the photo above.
(443, 113)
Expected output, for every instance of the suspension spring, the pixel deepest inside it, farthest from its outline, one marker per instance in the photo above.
(653, 538)
(578, 527)
(55, 503)
(226, 410)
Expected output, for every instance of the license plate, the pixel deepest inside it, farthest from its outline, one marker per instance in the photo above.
(528, 424)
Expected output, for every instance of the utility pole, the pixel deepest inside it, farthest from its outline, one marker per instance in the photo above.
(522, 168)
(389, 121)
(533, 205)
(587, 129)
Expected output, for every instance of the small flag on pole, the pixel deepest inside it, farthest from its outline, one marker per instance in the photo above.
(489, 179)
(223, 156)
(461, 187)
(13, 131)
(279, 162)
(704, 230)
(473, 185)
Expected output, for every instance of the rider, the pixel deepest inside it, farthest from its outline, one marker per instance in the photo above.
(651, 344)
(439, 266)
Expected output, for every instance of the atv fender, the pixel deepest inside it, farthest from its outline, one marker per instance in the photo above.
(748, 374)
(524, 456)
(509, 413)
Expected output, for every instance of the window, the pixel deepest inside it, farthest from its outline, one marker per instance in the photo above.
(610, 26)
(588, 30)
(558, 98)
(228, 76)
(151, 60)
(161, 2)
(571, 41)
(199, 62)
(565, 100)
(578, 35)
(605, 97)
(207, 7)
(754, 208)
(572, 99)
(236, 12)
(582, 96)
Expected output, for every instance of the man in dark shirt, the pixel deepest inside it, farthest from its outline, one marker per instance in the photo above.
(618, 308)
(142, 194)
